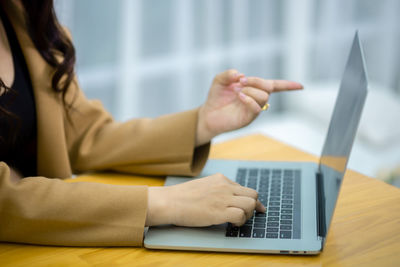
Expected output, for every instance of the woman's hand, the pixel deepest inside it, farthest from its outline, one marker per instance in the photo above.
(234, 101)
(202, 202)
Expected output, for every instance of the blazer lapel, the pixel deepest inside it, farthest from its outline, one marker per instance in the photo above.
(53, 160)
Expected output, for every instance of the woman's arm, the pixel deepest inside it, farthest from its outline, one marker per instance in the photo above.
(151, 146)
(234, 101)
(45, 211)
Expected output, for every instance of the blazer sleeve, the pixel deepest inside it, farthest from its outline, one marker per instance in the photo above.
(160, 146)
(45, 211)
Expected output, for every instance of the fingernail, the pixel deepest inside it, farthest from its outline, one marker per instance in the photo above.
(243, 80)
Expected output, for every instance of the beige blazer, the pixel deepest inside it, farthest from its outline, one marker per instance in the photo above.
(46, 210)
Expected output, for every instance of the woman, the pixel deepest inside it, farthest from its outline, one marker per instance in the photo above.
(50, 130)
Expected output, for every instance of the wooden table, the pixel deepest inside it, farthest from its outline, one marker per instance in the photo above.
(365, 229)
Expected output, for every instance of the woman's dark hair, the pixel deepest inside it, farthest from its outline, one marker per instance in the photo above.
(52, 43)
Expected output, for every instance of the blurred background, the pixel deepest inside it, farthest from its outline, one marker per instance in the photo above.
(145, 58)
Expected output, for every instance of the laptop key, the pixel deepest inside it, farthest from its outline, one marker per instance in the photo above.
(285, 234)
(231, 233)
(272, 224)
(249, 222)
(272, 229)
(274, 199)
(286, 222)
(274, 208)
(263, 189)
(245, 231)
(259, 220)
(242, 182)
(271, 235)
(253, 172)
(259, 233)
(286, 217)
(259, 225)
(286, 227)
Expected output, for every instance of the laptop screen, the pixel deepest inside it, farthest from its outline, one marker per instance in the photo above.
(341, 133)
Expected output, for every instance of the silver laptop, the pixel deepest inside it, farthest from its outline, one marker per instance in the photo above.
(300, 197)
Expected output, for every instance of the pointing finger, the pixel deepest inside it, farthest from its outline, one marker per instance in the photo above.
(270, 85)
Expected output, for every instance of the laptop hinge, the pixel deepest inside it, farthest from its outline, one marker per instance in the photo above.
(321, 219)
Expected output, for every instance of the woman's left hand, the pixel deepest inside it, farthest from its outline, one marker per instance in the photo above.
(234, 101)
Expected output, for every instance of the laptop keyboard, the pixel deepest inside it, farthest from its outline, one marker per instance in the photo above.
(279, 191)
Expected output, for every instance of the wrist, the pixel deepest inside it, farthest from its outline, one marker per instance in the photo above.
(157, 207)
(203, 133)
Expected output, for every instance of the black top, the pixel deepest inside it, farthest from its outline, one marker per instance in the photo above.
(18, 133)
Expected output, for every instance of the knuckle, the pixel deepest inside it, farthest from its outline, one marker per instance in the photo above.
(251, 204)
(228, 73)
(236, 216)
(231, 72)
(221, 177)
(241, 217)
(255, 194)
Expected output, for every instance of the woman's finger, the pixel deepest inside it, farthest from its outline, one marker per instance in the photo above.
(235, 215)
(270, 86)
(250, 103)
(245, 191)
(227, 77)
(260, 207)
(247, 204)
(260, 96)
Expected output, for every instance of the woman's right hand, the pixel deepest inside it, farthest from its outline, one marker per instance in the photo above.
(202, 202)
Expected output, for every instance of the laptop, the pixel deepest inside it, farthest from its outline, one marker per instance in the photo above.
(300, 197)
